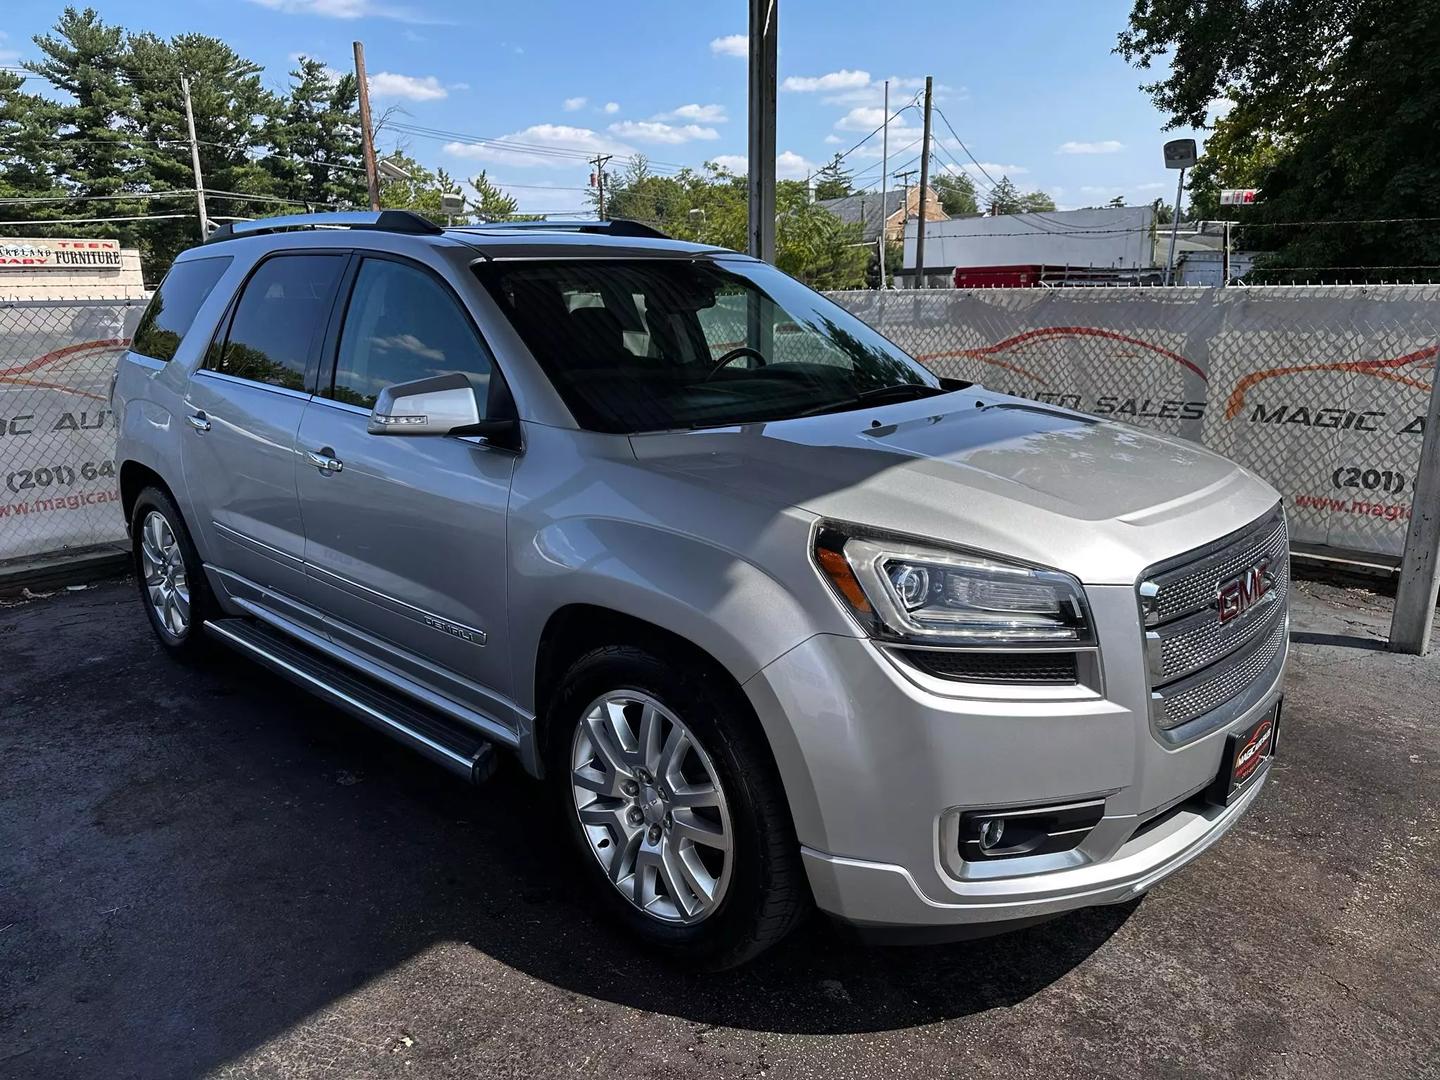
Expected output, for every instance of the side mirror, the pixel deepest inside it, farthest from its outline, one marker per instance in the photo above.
(453, 404)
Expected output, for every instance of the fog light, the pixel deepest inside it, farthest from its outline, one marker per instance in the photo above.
(990, 833)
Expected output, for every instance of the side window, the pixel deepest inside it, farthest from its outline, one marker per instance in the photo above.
(279, 320)
(401, 325)
(172, 309)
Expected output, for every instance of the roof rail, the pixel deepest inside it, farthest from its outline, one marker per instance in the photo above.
(398, 221)
(610, 227)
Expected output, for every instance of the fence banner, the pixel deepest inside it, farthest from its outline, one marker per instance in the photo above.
(1320, 389)
(57, 435)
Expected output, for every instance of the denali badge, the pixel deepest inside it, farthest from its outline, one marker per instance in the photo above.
(1238, 595)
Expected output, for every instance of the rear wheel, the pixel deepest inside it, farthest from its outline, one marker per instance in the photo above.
(168, 571)
(677, 815)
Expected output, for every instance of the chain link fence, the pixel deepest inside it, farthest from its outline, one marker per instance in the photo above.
(1322, 390)
(57, 434)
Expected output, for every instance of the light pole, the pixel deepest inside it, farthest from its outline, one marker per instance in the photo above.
(1179, 154)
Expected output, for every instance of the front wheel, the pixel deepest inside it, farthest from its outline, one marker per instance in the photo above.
(675, 809)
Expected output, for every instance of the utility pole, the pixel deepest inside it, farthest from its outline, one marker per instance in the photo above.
(924, 187)
(367, 134)
(904, 178)
(764, 38)
(195, 161)
(1415, 596)
(598, 181)
(884, 175)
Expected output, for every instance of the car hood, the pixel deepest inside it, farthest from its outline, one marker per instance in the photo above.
(995, 473)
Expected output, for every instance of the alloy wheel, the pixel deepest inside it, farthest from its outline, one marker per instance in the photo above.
(163, 566)
(651, 805)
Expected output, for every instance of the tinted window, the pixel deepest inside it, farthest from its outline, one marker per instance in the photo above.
(401, 324)
(172, 309)
(279, 320)
(657, 344)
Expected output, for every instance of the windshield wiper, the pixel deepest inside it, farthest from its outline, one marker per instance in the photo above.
(878, 396)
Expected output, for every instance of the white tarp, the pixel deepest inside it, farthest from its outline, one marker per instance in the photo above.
(1322, 390)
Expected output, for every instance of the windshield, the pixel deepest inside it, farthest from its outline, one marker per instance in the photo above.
(653, 345)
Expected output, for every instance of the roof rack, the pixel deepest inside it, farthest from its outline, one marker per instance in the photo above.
(610, 227)
(397, 221)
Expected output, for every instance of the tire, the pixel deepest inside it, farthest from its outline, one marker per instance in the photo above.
(758, 886)
(178, 587)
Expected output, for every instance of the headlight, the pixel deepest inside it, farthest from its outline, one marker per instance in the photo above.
(901, 590)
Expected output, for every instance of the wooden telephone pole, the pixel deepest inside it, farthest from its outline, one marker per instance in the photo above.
(599, 162)
(367, 134)
(924, 187)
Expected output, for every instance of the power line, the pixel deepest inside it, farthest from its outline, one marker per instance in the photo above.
(97, 220)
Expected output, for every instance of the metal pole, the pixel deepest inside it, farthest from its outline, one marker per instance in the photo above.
(924, 188)
(367, 135)
(1174, 231)
(764, 36)
(195, 160)
(1225, 261)
(904, 178)
(884, 176)
(1419, 586)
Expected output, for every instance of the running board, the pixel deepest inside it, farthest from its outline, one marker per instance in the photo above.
(443, 740)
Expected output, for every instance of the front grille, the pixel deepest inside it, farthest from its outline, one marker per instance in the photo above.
(1196, 662)
(996, 667)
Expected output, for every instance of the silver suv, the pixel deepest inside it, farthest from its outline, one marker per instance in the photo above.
(780, 617)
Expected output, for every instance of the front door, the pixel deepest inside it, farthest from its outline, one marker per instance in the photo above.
(405, 535)
(242, 409)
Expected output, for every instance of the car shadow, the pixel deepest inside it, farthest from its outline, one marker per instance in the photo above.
(247, 858)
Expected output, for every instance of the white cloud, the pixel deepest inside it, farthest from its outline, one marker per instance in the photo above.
(610, 108)
(731, 45)
(788, 165)
(791, 166)
(844, 79)
(571, 104)
(1105, 146)
(409, 87)
(700, 114)
(545, 136)
(654, 131)
(994, 169)
(458, 86)
(833, 140)
(344, 9)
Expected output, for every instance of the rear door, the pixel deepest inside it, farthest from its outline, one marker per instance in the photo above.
(243, 407)
(405, 535)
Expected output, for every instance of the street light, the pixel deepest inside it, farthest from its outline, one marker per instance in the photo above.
(1179, 154)
(391, 171)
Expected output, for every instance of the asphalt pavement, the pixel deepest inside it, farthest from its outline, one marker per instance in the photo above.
(205, 872)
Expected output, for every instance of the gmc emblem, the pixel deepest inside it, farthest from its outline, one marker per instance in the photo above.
(1240, 594)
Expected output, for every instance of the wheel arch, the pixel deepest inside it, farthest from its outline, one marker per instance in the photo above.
(134, 478)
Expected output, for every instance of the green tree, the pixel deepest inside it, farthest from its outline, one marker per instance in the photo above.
(1117, 203)
(420, 191)
(957, 194)
(1004, 198)
(1336, 107)
(490, 202)
(1164, 212)
(1036, 202)
(314, 139)
(833, 181)
(30, 164)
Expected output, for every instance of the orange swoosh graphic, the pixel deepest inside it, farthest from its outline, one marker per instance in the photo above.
(984, 354)
(1379, 369)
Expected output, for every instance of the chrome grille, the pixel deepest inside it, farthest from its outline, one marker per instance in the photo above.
(1183, 702)
(1197, 663)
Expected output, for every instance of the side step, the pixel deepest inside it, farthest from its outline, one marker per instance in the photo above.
(454, 745)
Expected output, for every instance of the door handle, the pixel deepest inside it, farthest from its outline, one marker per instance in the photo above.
(199, 421)
(324, 459)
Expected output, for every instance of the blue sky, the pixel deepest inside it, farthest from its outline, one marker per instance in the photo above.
(1033, 90)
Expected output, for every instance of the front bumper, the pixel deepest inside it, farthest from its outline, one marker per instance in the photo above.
(877, 767)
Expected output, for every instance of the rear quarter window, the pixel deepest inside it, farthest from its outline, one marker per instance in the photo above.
(172, 309)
